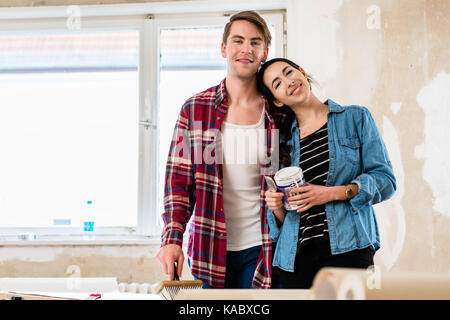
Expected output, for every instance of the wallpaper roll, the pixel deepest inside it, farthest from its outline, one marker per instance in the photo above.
(373, 284)
(132, 287)
(143, 288)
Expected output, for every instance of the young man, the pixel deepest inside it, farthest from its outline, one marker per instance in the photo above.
(229, 243)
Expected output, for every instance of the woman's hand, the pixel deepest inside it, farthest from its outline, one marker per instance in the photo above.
(311, 195)
(274, 201)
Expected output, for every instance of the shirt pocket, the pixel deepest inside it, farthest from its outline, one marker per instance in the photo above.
(351, 148)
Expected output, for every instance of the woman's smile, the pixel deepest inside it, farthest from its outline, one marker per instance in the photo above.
(296, 89)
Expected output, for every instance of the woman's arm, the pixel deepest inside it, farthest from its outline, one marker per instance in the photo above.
(275, 214)
(377, 182)
(279, 214)
(343, 192)
(274, 201)
(313, 195)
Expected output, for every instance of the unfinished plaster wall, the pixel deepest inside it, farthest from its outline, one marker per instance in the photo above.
(394, 58)
(128, 263)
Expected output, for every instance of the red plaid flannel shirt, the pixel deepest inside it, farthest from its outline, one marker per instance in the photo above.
(193, 187)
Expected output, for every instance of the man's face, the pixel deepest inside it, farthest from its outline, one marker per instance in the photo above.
(245, 49)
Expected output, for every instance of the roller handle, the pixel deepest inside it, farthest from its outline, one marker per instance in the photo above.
(175, 273)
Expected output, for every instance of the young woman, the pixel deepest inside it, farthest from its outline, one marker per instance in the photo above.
(347, 169)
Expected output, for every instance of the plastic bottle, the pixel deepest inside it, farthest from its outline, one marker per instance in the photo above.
(88, 222)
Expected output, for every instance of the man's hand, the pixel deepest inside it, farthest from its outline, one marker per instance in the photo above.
(169, 254)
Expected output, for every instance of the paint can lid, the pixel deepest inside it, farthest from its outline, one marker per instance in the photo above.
(288, 174)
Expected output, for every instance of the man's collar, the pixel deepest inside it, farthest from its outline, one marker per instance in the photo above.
(221, 93)
(221, 97)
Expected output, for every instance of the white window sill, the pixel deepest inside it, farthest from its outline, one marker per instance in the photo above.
(75, 240)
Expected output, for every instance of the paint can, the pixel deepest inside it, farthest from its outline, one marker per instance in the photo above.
(287, 179)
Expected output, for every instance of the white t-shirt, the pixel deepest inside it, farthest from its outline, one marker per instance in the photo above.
(243, 147)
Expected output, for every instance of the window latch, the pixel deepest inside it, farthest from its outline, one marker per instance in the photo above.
(147, 124)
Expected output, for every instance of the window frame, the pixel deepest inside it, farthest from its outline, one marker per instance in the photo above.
(146, 119)
(148, 221)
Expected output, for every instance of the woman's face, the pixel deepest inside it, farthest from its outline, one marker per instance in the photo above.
(288, 85)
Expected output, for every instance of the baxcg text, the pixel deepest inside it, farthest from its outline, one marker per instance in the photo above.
(226, 309)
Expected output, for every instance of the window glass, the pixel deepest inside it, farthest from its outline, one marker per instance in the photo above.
(69, 128)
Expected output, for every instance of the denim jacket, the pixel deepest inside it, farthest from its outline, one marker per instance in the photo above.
(357, 155)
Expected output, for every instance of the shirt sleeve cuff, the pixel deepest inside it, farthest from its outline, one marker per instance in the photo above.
(361, 199)
(274, 231)
(172, 236)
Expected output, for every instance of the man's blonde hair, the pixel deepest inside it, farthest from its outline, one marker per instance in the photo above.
(252, 17)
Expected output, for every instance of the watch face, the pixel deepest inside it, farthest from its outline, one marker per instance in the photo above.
(349, 193)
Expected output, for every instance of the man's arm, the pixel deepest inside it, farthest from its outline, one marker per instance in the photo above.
(179, 196)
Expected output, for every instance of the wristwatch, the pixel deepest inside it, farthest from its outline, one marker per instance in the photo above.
(349, 192)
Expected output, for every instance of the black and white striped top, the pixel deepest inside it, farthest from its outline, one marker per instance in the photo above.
(314, 161)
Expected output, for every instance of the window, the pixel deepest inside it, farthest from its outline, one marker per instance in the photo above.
(69, 128)
(87, 115)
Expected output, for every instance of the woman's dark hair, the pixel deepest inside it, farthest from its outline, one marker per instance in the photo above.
(283, 116)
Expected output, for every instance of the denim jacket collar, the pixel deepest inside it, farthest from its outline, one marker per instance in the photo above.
(332, 107)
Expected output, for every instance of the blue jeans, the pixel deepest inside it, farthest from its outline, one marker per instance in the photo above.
(240, 268)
